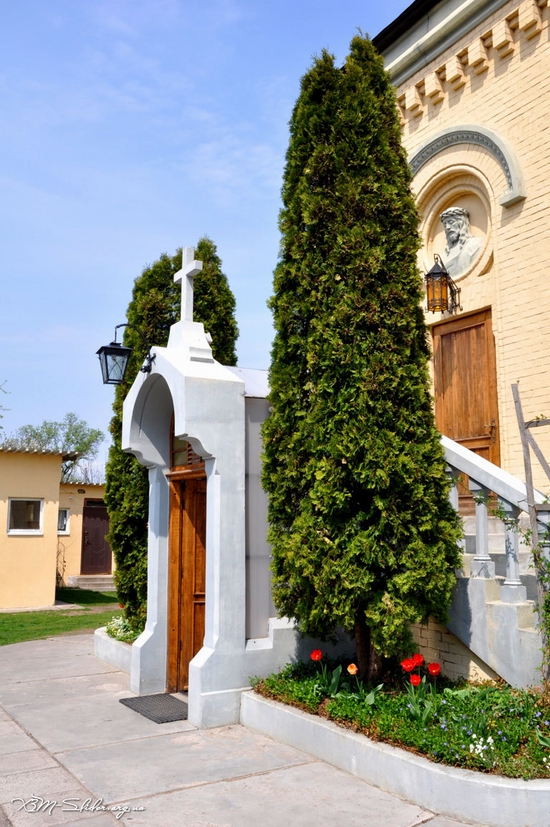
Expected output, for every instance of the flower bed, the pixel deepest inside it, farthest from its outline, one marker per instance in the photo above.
(489, 728)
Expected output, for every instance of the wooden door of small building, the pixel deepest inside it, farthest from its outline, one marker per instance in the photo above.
(186, 574)
(96, 552)
(465, 388)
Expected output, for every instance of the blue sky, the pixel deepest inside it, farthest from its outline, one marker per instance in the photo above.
(129, 128)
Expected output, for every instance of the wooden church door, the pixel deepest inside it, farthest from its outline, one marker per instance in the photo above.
(186, 576)
(186, 561)
(465, 388)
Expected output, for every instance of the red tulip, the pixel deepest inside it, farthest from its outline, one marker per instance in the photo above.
(418, 659)
(316, 654)
(408, 664)
(415, 680)
(434, 669)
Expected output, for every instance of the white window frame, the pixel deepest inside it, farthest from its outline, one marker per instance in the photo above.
(26, 532)
(68, 521)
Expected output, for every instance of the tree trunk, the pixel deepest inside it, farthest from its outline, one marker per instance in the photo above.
(369, 661)
(362, 643)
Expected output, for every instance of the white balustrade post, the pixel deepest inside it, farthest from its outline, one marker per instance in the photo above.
(482, 565)
(512, 590)
(543, 525)
(454, 474)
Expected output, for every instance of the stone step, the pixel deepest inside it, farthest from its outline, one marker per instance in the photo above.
(498, 556)
(94, 582)
(526, 614)
(503, 635)
(496, 543)
(493, 585)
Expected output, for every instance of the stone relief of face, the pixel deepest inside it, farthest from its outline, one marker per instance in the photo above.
(452, 227)
(462, 247)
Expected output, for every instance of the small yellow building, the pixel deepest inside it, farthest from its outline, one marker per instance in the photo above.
(50, 532)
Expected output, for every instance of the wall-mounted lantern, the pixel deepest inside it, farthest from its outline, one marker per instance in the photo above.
(114, 358)
(442, 293)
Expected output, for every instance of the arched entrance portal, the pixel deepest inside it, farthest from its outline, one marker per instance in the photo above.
(186, 563)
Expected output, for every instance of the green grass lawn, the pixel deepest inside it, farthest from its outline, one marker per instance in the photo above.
(16, 627)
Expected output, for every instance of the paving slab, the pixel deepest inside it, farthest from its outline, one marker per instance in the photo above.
(16, 742)
(51, 783)
(32, 692)
(56, 809)
(49, 658)
(166, 762)
(50, 708)
(31, 759)
(302, 796)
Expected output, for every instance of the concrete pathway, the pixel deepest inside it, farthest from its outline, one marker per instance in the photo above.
(69, 748)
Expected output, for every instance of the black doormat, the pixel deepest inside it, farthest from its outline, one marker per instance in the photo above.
(162, 709)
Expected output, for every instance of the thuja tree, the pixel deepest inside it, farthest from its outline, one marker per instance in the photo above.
(154, 307)
(363, 534)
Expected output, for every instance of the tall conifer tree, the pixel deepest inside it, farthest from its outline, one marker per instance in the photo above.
(154, 307)
(363, 534)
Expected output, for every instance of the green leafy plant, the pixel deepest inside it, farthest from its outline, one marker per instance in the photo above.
(490, 728)
(70, 436)
(363, 694)
(421, 694)
(119, 629)
(330, 682)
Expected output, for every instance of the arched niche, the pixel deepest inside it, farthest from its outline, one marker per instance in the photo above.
(477, 138)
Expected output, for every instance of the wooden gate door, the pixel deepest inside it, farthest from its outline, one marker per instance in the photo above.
(186, 576)
(466, 405)
(96, 551)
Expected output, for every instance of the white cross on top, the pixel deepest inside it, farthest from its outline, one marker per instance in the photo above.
(185, 276)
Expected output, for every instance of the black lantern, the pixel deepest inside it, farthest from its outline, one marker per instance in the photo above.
(114, 358)
(441, 291)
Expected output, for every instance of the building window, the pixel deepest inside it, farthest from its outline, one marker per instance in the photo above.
(25, 516)
(63, 521)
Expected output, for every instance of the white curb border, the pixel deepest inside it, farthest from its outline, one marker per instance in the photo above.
(488, 800)
(111, 651)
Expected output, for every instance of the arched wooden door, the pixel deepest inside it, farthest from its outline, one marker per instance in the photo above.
(186, 574)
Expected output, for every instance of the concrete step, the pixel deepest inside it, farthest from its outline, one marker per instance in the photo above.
(503, 635)
(94, 582)
(526, 614)
(498, 556)
(493, 585)
(496, 543)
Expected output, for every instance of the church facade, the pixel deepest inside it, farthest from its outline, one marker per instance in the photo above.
(473, 89)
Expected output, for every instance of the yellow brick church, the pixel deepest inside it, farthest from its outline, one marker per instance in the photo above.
(473, 87)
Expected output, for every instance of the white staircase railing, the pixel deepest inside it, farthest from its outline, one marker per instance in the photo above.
(484, 477)
(488, 613)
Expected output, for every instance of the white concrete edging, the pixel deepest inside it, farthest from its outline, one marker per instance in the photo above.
(111, 651)
(490, 800)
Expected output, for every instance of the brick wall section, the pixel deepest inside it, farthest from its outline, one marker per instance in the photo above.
(436, 643)
(498, 76)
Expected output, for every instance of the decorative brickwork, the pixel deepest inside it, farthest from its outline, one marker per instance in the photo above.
(505, 37)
